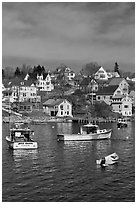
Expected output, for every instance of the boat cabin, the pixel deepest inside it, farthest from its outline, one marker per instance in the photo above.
(122, 120)
(90, 128)
(21, 135)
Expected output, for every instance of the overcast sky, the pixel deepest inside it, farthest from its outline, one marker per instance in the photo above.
(72, 33)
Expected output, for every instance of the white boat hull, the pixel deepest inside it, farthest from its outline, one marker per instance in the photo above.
(110, 159)
(21, 145)
(84, 137)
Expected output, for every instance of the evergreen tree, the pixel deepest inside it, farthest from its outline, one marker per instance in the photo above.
(17, 72)
(116, 68)
(3, 74)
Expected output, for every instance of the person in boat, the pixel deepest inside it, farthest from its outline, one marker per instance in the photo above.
(103, 160)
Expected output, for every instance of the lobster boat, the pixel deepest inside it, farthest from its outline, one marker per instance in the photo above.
(21, 138)
(87, 132)
(121, 123)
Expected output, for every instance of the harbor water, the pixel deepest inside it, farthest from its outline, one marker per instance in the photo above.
(67, 171)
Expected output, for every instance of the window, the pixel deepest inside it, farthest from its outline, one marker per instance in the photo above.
(67, 112)
(100, 71)
(61, 107)
(125, 106)
(102, 76)
(21, 107)
(119, 106)
(61, 112)
(98, 97)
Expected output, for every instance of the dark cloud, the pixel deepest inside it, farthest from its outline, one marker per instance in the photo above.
(68, 30)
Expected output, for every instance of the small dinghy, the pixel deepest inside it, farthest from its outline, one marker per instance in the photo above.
(108, 160)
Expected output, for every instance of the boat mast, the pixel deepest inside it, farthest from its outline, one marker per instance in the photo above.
(9, 113)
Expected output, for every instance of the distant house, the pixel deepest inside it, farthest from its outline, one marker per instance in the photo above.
(101, 74)
(113, 74)
(122, 83)
(93, 85)
(132, 96)
(106, 93)
(22, 90)
(69, 74)
(59, 107)
(25, 107)
(122, 104)
(44, 84)
(78, 79)
(26, 77)
(7, 96)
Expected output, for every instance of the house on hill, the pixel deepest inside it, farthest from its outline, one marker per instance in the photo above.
(122, 83)
(44, 84)
(113, 74)
(59, 107)
(122, 104)
(101, 74)
(21, 90)
(106, 93)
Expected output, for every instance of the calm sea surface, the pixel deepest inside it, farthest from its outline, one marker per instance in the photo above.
(67, 172)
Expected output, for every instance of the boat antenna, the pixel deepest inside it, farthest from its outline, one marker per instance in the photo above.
(9, 113)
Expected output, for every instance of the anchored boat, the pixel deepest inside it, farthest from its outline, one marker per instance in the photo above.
(108, 160)
(21, 138)
(121, 123)
(87, 132)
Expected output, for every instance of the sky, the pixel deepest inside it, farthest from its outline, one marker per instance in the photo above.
(75, 33)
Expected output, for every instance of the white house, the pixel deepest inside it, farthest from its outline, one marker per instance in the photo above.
(122, 104)
(101, 74)
(106, 93)
(69, 74)
(113, 74)
(122, 83)
(28, 91)
(44, 84)
(26, 77)
(59, 107)
(21, 90)
(94, 85)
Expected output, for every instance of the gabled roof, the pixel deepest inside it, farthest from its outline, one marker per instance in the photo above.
(108, 90)
(52, 102)
(18, 82)
(49, 102)
(116, 81)
(118, 96)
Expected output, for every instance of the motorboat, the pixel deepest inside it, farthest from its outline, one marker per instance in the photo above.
(21, 138)
(121, 123)
(87, 132)
(108, 160)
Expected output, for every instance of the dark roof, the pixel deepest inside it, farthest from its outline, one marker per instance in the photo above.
(116, 81)
(108, 90)
(17, 82)
(52, 102)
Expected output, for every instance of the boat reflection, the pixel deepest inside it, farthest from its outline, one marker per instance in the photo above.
(64, 127)
(103, 145)
(23, 156)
